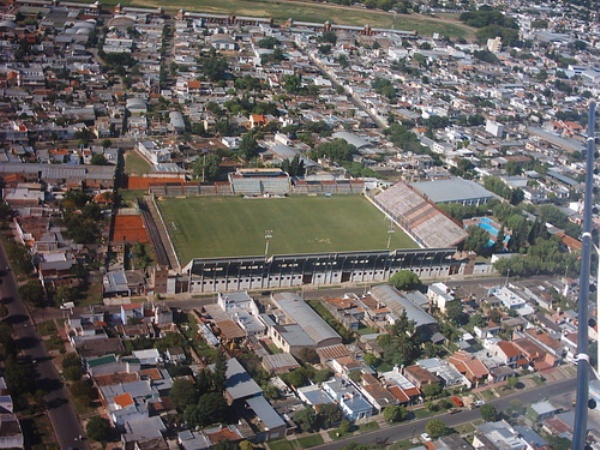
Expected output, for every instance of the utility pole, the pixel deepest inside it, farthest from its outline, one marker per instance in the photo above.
(268, 236)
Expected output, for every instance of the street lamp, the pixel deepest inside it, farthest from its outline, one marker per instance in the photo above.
(391, 230)
(268, 236)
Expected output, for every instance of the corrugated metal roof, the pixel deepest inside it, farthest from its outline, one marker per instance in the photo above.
(397, 303)
(298, 310)
(454, 190)
(265, 412)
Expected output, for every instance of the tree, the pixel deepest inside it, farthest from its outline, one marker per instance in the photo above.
(395, 413)
(371, 360)
(211, 408)
(207, 167)
(513, 382)
(183, 393)
(249, 147)
(297, 377)
(436, 428)
(345, 426)
(99, 159)
(477, 239)
(329, 414)
(307, 419)
(219, 376)
(308, 355)
(73, 373)
(455, 313)
(98, 429)
(405, 280)
(489, 413)
(431, 390)
(32, 292)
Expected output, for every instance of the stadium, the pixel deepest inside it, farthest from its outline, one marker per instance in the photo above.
(254, 233)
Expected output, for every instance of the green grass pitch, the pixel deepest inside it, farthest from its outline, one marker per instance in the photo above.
(207, 227)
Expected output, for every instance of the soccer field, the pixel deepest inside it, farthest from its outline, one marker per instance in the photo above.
(207, 227)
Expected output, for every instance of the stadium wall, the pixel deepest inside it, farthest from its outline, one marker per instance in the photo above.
(287, 271)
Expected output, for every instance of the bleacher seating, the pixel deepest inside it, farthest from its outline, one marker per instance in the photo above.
(421, 219)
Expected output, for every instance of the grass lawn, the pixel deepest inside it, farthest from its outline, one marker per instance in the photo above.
(367, 427)
(280, 11)
(135, 164)
(129, 196)
(204, 227)
(282, 444)
(310, 441)
(366, 330)
(47, 327)
(422, 413)
(487, 395)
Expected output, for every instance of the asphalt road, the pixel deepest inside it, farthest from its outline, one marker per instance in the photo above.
(60, 410)
(414, 428)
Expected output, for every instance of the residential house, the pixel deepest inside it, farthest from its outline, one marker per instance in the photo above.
(540, 411)
(498, 436)
(509, 354)
(352, 403)
(471, 367)
(420, 376)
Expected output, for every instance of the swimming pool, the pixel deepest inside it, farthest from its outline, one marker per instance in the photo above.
(485, 223)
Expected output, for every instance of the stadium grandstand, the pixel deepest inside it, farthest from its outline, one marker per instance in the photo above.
(426, 224)
(260, 182)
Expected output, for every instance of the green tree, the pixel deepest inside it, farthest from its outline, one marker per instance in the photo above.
(249, 147)
(455, 313)
(297, 377)
(431, 390)
(207, 168)
(307, 419)
(211, 408)
(436, 428)
(98, 429)
(489, 413)
(395, 413)
(183, 393)
(73, 373)
(513, 382)
(477, 240)
(345, 426)
(405, 280)
(329, 415)
(219, 376)
(32, 292)
(99, 159)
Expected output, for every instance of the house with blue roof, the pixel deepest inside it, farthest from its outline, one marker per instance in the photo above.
(353, 405)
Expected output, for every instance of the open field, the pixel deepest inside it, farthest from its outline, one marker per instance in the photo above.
(232, 226)
(281, 11)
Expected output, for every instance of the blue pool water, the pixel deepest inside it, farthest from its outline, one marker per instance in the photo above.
(485, 224)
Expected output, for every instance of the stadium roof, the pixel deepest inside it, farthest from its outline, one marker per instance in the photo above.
(352, 139)
(296, 309)
(452, 191)
(397, 303)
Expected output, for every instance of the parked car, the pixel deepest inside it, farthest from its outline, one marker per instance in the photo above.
(457, 401)
(425, 437)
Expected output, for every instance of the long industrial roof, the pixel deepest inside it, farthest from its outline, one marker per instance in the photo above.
(298, 310)
(451, 191)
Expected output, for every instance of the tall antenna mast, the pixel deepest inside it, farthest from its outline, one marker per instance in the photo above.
(583, 357)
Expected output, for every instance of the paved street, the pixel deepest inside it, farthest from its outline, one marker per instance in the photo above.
(415, 428)
(60, 410)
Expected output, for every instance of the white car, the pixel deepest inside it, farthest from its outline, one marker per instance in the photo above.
(425, 437)
(479, 403)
